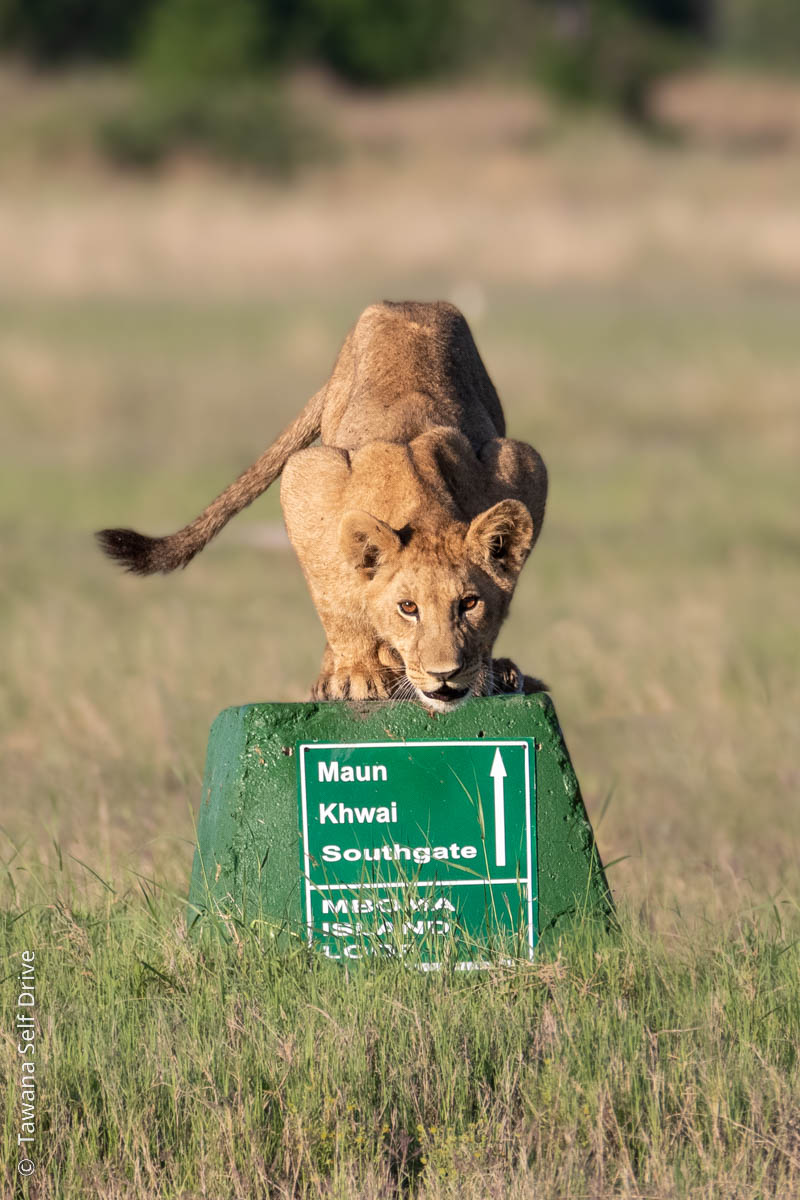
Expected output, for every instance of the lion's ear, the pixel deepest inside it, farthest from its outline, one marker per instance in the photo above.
(502, 537)
(366, 542)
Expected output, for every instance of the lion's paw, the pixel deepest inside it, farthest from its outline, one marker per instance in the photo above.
(354, 684)
(508, 679)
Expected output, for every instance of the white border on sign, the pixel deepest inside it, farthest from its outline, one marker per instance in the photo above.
(323, 887)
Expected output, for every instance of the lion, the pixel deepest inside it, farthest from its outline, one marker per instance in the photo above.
(412, 518)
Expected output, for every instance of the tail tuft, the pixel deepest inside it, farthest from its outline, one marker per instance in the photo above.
(139, 554)
(146, 555)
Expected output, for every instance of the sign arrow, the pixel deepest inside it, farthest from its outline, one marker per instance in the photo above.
(498, 774)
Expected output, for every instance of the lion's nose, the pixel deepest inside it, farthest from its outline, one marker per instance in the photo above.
(446, 673)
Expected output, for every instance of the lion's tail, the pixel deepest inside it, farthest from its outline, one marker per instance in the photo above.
(147, 555)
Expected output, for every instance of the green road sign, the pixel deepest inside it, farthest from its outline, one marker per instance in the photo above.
(432, 785)
(420, 847)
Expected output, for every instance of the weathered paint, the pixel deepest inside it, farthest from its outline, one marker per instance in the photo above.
(247, 859)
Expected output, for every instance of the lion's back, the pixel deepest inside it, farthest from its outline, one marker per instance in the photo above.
(407, 367)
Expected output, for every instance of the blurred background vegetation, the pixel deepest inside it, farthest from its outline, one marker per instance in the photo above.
(208, 71)
(197, 199)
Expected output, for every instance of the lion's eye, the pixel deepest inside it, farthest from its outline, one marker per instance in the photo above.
(468, 602)
(408, 608)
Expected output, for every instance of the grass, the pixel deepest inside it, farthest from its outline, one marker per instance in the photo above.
(145, 357)
(629, 1066)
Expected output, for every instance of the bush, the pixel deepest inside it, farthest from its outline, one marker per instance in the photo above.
(365, 41)
(190, 43)
(249, 125)
(385, 42)
(54, 31)
(601, 53)
(197, 65)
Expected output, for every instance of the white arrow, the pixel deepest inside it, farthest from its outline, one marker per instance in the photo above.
(498, 774)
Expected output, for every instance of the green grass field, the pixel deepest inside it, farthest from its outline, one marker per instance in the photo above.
(660, 605)
(633, 1067)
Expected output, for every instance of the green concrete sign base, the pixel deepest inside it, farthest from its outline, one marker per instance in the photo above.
(388, 830)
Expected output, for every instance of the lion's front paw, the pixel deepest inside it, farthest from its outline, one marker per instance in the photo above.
(357, 683)
(508, 679)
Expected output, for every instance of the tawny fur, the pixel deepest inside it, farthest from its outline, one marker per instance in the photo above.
(414, 497)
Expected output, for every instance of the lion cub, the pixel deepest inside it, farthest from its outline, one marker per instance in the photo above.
(412, 518)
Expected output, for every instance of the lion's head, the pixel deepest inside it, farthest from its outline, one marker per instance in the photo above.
(437, 595)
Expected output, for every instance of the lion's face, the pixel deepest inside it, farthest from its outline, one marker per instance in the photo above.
(437, 600)
(441, 618)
